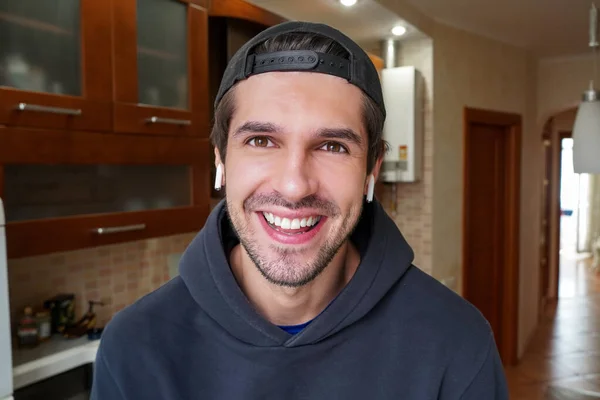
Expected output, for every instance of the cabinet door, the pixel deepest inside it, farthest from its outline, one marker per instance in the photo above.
(161, 67)
(79, 191)
(55, 64)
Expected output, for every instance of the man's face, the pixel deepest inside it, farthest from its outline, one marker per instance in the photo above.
(295, 171)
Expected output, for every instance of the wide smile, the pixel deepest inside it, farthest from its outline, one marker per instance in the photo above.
(287, 230)
(291, 226)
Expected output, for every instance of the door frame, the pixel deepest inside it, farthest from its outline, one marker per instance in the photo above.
(545, 267)
(510, 302)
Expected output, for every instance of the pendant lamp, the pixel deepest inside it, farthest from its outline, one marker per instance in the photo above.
(586, 130)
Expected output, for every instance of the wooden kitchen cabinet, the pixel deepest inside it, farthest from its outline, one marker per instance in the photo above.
(161, 67)
(64, 191)
(110, 143)
(242, 10)
(55, 64)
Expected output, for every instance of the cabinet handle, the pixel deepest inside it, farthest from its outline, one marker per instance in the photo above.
(51, 110)
(119, 229)
(171, 121)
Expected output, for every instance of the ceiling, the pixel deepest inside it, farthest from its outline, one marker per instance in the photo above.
(550, 28)
(356, 21)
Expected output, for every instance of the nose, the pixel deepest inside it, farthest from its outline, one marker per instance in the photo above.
(295, 176)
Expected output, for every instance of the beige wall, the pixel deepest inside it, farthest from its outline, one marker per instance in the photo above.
(476, 72)
(563, 121)
(561, 84)
(472, 71)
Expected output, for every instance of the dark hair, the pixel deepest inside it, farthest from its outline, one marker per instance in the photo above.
(372, 116)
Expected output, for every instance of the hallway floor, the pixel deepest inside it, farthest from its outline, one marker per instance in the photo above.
(565, 350)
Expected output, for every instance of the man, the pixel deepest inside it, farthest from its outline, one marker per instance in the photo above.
(299, 286)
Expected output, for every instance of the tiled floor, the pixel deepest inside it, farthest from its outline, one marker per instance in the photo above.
(565, 351)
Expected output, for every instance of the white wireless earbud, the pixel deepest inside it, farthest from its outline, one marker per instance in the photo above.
(219, 177)
(371, 188)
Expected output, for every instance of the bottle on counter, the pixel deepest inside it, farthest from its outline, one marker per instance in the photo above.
(44, 325)
(27, 329)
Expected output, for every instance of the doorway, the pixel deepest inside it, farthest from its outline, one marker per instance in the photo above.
(573, 227)
(492, 144)
(571, 217)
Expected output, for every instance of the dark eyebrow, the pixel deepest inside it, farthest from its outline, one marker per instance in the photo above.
(257, 127)
(340, 133)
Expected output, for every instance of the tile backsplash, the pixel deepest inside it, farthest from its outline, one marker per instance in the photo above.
(115, 274)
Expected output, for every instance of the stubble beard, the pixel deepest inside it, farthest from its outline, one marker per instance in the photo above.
(289, 267)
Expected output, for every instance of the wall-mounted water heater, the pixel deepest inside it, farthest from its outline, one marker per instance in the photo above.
(403, 94)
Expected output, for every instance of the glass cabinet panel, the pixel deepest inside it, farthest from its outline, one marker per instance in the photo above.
(162, 53)
(40, 46)
(49, 191)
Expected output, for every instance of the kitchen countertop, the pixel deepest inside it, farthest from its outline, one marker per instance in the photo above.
(50, 358)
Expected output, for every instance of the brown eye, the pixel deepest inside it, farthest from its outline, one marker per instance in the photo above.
(259, 141)
(334, 147)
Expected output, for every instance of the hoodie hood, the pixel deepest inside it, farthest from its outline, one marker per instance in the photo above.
(204, 268)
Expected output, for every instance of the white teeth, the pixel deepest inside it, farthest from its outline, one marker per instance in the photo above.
(286, 223)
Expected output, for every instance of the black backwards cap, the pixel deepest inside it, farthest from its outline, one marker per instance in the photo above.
(358, 70)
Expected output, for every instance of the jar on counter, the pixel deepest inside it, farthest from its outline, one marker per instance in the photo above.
(44, 325)
(27, 329)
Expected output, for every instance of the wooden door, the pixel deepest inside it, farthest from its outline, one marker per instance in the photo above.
(491, 201)
(161, 67)
(56, 64)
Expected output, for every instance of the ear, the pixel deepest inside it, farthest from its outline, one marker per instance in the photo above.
(377, 168)
(217, 157)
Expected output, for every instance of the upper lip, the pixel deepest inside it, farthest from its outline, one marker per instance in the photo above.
(299, 214)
